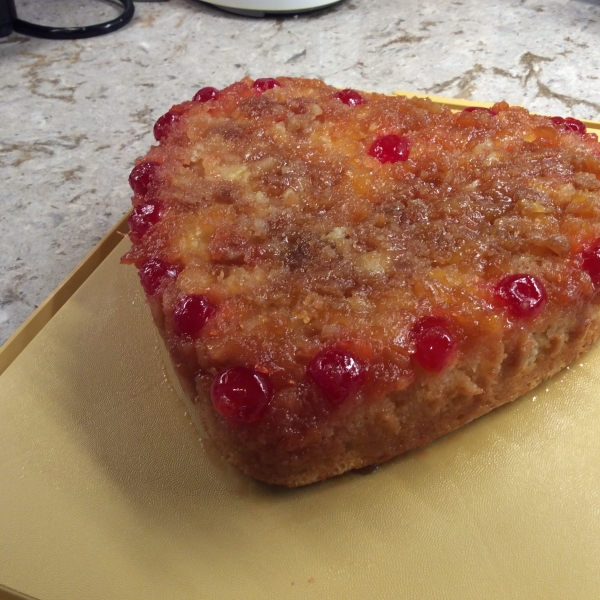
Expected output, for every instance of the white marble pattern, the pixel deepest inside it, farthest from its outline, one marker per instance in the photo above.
(75, 114)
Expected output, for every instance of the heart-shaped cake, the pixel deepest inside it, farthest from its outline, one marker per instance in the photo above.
(343, 276)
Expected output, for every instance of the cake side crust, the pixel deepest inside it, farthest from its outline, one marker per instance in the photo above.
(330, 458)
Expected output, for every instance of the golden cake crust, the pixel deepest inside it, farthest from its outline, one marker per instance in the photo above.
(278, 209)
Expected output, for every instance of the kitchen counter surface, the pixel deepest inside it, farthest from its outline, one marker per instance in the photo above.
(76, 114)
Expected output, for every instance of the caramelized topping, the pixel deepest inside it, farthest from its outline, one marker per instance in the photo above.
(322, 260)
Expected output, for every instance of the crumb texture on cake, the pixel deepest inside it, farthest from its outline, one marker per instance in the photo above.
(373, 271)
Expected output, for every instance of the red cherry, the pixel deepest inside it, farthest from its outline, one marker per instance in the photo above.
(591, 262)
(350, 97)
(154, 271)
(390, 148)
(575, 125)
(142, 177)
(206, 94)
(570, 123)
(479, 108)
(336, 373)
(191, 314)
(523, 295)
(144, 215)
(241, 394)
(264, 84)
(164, 125)
(435, 345)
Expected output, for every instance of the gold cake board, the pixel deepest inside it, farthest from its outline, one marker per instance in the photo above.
(110, 492)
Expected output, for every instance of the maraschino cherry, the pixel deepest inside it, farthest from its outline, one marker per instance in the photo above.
(205, 94)
(479, 109)
(191, 314)
(390, 148)
(350, 97)
(241, 395)
(265, 83)
(570, 123)
(164, 125)
(143, 216)
(435, 344)
(142, 177)
(591, 261)
(337, 374)
(523, 295)
(154, 271)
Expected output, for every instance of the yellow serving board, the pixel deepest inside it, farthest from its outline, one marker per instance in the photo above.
(110, 492)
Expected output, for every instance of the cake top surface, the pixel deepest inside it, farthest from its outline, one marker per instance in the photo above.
(302, 231)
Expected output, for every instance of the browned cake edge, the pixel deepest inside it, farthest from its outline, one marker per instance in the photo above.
(365, 439)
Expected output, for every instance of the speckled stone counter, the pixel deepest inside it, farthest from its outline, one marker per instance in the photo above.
(75, 114)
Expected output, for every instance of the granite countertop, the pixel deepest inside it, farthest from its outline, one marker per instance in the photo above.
(76, 114)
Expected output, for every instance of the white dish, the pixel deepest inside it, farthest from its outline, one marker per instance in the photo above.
(256, 7)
